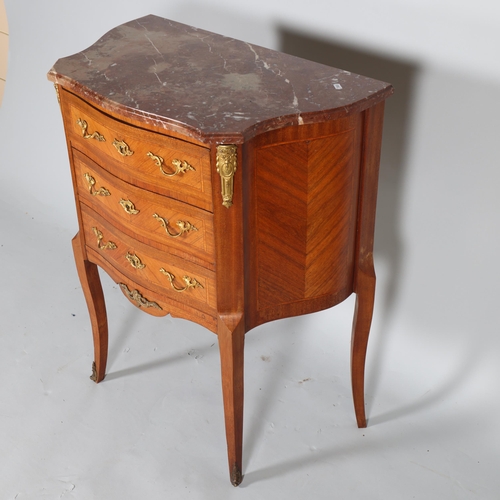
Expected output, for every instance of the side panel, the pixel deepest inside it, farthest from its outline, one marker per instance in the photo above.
(302, 218)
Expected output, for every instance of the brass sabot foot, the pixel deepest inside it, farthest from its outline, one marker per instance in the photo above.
(93, 377)
(236, 475)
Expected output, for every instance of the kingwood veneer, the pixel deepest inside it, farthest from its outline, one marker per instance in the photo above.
(224, 183)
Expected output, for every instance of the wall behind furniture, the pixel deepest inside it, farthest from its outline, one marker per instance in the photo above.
(4, 48)
(438, 235)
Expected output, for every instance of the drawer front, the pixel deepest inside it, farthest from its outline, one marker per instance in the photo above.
(150, 299)
(157, 162)
(152, 268)
(167, 224)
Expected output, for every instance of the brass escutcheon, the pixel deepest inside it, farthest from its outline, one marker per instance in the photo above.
(122, 147)
(184, 226)
(190, 282)
(129, 207)
(134, 261)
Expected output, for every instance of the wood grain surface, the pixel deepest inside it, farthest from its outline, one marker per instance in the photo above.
(297, 234)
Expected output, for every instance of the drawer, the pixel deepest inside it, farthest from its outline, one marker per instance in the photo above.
(150, 299)
(166, 224)
(156, 162)
(152, 268)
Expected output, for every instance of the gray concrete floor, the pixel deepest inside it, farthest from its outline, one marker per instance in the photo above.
(154, 427)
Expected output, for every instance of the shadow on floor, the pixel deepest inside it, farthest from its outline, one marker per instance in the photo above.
(389, 245)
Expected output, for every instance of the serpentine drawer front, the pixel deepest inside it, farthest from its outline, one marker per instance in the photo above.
(164, 222)
(157, 162)
(224, 183)
(161, 270)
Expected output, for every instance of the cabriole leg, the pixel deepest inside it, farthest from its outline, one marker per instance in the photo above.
(363, 312)
(92, 290)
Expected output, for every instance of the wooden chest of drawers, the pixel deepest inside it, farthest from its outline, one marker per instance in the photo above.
(223, 183)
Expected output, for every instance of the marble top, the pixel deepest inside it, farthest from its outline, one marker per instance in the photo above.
(214, 88)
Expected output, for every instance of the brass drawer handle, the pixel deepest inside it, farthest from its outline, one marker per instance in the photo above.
(190, 282)
(181, 166)
(157, 159)
(135, 262)
(91, 183)
(122, 147)
(129, 207)
(184, 226)
(85, 134)
(103, 246)
(138, 298)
